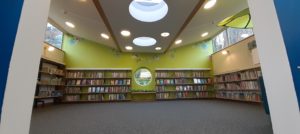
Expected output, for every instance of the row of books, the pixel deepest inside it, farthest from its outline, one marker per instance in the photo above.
(84, 74)
(246, 96)
(181, 74)
(232, 77)
(72, 90)
(116, 97)
(238, 76)
(72, 98)
(162, 96)
(85, 82)
(191, 88)
(52, 70)
(163, 74)
(119, 74)
(165, 81)
(51, 81)
(251, 74)
(200, 74)
(201, 81)
(98, 82)
(182, 95)
(108, 89)
(192, 95)
(238, 86)
(95, 97)
(46, 91)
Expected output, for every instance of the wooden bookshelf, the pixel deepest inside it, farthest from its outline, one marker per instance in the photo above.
(50, 81)
(178, 84)
(97, 85)
(241, 85)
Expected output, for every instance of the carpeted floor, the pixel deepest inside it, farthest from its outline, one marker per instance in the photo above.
(160, 117)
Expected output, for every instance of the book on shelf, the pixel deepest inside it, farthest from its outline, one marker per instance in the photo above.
(72, 98)
(243, 96)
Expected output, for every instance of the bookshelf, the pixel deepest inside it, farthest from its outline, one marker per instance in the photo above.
(97, 85)
(178, 84)
(240, 85)
(50, 82)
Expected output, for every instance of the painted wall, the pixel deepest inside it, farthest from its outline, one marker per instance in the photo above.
(56, 55)
(289, 18)
(11, 11)
(86, 54)
(239, 58)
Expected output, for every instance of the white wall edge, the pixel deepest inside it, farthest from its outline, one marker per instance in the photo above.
(275, 67)
(23, 69)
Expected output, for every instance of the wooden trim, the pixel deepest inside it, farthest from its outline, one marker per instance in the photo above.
(182, 69)
(100, 69)
(187, 21)
(106, 22)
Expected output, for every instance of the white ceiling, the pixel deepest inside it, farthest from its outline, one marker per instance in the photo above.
(89, 24)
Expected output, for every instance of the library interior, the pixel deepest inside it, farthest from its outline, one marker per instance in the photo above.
(150, 67)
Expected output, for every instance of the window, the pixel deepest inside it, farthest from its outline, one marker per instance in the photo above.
(236, 35)
(54, 36)
(229, 37)
(220, 41)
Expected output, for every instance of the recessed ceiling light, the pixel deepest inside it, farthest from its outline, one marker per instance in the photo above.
(125, 33)
(165, 34)
(204, 34)
(178, 42)
(209, 4)
(225, 52)
(128, 48)
(245, 35)
(148, 10)
(105, 36)
(82, 0)
(50, 48)
(144, 41)
(69, 24)
(158, 48)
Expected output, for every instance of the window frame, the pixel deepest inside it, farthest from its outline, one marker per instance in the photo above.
(63, 34)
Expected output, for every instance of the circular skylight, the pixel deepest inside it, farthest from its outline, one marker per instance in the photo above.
(148, 10)
(144, 41)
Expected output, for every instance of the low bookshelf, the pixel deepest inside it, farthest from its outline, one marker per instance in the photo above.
(181, 84)
(50, 82)
(97, 85)
(240, 85)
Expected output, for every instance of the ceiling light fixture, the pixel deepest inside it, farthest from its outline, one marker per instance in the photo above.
(51, 49)
(82, 0)
(225, 52)
(125, 33)
(209, 4)
(165, 34)
(148, 10)
(69, 24)
(158, 48)
(245, 35)
(144, 41)
(128, 48)
(204, 34)
(105, 36)
(178, 42)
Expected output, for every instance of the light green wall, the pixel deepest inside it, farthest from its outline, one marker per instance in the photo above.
(87, 54)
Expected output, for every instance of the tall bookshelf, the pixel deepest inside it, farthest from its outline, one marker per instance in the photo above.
(240, 85)
(97, 85)
(177, 84)
(50, 82)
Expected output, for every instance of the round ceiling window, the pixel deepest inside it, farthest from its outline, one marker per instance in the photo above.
(144, 41)
(148, 10)
(143, 77)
